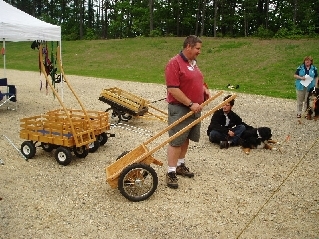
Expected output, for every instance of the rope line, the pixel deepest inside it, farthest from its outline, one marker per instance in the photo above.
(277, 189)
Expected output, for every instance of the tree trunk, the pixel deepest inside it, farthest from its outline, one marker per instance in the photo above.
(215, 17)
(294, 20)
(81, 9)
(151, 7)
(203, 18)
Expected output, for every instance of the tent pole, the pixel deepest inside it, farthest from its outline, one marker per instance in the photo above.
(60, 44)
(3, 51)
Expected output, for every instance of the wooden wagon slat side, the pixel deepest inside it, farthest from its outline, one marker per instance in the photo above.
(99, 120)
(126, 102)
(125, 99)
(55, 128)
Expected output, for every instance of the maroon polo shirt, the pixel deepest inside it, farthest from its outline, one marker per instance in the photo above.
(179, 73)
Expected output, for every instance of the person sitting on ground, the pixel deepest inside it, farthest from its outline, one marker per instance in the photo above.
(226, 126)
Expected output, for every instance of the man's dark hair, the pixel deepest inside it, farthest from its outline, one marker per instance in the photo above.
(191, 40)
(232, 102)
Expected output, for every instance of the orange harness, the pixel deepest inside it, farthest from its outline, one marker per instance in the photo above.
(314, 103)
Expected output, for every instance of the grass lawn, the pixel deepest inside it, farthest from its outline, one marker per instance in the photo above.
(263, 67)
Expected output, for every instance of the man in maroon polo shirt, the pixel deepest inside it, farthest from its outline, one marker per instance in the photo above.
(186, 92)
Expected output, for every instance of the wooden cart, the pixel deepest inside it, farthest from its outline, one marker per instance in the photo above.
(65, 130)
(126, 105)
(55, 133)
(132, 173)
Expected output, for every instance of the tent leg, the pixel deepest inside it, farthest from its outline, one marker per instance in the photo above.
(3, 52)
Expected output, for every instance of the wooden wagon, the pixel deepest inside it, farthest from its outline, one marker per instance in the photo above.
(126, 105)
(61, 134)
(132, 174)
(65, 130)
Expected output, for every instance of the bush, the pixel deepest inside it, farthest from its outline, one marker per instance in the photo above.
(292, 32)
(264, 33)
(156, 33)
(90, 34)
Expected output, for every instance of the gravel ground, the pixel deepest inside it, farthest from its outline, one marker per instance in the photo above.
(266, 194)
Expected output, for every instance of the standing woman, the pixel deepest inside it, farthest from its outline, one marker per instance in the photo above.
(302, 89)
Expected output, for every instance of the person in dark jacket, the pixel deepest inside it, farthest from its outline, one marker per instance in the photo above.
(226, 126)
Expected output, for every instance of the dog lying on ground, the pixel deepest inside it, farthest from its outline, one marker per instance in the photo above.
(257, 138)
(313, 104)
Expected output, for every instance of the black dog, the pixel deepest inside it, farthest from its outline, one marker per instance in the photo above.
(313, 104)
(256, 138)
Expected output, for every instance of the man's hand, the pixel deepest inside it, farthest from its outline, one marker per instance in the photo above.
(231, 133)
(196, 107)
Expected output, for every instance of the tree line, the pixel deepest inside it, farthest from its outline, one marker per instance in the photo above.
(116, 19)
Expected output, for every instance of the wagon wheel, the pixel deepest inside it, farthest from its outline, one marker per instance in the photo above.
(47, 147)
(63, 156)
(137, 182)
(125, 117)
(122, 116)
(102, 138)
(80, 152)
(28, 149)
(114, 112)
(94, 146)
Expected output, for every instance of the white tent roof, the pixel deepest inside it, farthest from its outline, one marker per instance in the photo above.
(16, 25)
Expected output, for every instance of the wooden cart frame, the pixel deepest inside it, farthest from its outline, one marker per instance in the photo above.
(126, 105)
(132, 173)
(65, 130)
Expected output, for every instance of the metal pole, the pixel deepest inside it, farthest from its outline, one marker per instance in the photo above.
(4, 56)
(15, 147)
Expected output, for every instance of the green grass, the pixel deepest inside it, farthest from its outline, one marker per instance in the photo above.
(263, 67)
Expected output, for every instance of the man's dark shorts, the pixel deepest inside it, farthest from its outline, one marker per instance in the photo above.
(176, 112)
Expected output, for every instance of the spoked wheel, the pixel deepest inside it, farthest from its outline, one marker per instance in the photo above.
(137, 182)
(28, 149)
(47, 147)
(63, 156)
(102, 138)
(94, 146)
(81, 152)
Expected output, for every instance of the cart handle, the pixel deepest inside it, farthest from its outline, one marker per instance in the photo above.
(191, 125)
(183, 118)
(138, 159)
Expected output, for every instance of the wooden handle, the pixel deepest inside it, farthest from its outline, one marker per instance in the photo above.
(182, 118)
(192, 124)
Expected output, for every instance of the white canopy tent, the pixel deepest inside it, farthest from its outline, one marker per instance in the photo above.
(16, 25)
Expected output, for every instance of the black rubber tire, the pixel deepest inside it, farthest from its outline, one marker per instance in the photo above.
(137, 182)
(114, 112)
(125, 117)
(63, 156)
(28, 149)
(47, 147)
(102, 138)
(80, 152)
(94, 146)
